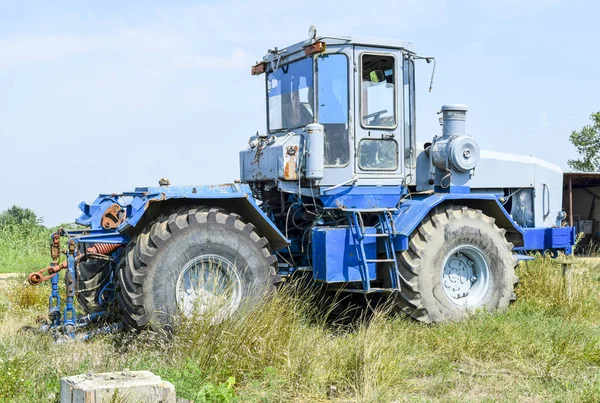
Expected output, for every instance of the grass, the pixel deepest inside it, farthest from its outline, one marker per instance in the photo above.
(24, 248)
(544, 348)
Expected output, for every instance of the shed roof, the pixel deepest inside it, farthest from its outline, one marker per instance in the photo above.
(581, 179)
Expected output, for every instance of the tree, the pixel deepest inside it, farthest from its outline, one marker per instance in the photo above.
(587, 143)
(19, 216)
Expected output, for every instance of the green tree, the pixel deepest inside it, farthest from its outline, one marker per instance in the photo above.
(19, 216)
(587, 143)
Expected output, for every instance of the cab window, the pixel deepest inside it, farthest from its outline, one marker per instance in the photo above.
(378, 154)
(290, 95)
(378, 92)
(333, 108)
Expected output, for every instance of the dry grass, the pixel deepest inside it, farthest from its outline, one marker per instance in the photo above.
(544, 348)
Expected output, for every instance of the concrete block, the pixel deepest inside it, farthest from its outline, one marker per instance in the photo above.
(126, 386)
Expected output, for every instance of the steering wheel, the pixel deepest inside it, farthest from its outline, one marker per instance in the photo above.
(375, 115)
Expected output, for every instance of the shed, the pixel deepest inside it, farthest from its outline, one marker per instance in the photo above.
(580, 201)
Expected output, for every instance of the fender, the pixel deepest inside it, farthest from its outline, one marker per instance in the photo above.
(413, 211)
(145, 204)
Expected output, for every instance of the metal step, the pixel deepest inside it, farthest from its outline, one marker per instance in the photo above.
(369, 210)
(371, 290)
(376, 235)
(380, 260)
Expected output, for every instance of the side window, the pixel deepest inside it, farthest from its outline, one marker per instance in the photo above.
(377, 154)
(333, 107)
(378, 79)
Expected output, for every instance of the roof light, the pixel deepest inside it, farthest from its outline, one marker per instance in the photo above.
(312, 33)
(317, 47)
(259, 69)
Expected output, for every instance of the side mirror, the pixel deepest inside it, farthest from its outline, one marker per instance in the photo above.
(377, 76)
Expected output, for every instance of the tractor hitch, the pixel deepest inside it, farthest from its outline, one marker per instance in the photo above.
(66, 322)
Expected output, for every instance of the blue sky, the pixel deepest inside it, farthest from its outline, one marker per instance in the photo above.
(105, 96)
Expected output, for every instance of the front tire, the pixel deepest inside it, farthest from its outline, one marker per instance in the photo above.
(458, 261)
(194, 263)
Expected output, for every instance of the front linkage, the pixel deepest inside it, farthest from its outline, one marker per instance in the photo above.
(63, 326)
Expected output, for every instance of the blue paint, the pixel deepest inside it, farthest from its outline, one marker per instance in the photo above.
(413, 211)
(463, 190)
(69, 316)
(549, 239)
(142, 198)
(362, 197)
(54, 302)
(335, 255)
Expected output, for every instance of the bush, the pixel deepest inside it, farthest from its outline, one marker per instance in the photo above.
(24, 241)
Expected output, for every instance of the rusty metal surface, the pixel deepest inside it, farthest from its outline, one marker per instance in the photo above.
(290, 167)
(104, 248)
(258, 69)
(317, 47)
(112, 217)
(55, 247)
(47, 273)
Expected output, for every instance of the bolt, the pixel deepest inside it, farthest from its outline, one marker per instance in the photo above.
(473, 279)
(467, 153)
(470, 262)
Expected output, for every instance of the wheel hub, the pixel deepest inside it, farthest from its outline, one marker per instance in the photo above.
(465, 276)
(209, 286)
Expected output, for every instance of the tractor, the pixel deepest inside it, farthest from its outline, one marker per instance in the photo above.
(337, 188)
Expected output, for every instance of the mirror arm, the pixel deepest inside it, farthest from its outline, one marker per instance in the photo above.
(428, 59)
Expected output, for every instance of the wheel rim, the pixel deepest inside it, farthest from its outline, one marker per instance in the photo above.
(465, 276)
(209, 286)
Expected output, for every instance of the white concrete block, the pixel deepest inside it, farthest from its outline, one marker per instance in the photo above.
(126, 386)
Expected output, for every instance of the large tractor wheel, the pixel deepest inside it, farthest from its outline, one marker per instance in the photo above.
(92, 277)
(195, 263)
(458, 261)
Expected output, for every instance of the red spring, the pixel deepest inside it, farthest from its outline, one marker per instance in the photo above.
(104, 248)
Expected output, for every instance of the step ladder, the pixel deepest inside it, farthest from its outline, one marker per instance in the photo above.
(386, 231)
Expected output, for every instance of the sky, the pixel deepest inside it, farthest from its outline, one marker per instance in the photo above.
(101, 97)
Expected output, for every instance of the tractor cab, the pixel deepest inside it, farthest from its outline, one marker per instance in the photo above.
(340, 112)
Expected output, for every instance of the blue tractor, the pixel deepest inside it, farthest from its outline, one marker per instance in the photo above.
(336, 187)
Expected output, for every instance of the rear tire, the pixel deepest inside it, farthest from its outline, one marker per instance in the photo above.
(458, 261)
(93, 275)
(178, 252)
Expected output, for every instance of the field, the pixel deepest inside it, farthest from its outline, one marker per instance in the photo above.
(544, 348)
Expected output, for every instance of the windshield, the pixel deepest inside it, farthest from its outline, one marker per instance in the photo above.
(291, 95)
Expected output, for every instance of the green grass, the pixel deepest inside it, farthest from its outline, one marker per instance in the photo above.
(544, 348)
(24, 248)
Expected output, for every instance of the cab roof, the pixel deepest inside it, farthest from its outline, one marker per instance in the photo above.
(368, 41)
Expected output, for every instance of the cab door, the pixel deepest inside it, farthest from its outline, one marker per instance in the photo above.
(379, 123)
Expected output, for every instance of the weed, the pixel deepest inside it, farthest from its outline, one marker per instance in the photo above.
(221, 393)
(286, 349)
